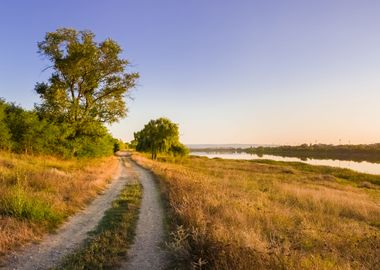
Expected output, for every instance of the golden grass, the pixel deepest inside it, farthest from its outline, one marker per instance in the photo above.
(37, 193)
(252, 215)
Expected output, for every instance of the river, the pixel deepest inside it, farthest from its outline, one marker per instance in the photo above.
(364, 166)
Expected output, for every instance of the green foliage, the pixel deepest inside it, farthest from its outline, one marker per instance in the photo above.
(179, 150)
(119, 145)
(5, 136)
(93, 141)
(25, 132)
(93, 146)
(131, 145)
(89, 82)
(18, 203)
(159, 136)
(29, 134)
(86, 90)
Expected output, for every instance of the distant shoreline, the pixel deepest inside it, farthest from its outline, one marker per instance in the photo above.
(226, 146)
(363, 152)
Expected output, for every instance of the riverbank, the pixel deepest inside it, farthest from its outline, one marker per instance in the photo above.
(358, 153)
(362, 167)
(230, 214)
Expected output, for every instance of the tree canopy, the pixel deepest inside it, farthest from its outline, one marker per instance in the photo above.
(86, 90)
(89, 82)
(159, 136)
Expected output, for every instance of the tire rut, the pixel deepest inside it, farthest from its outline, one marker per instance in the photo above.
(147, 251)
(52, 248)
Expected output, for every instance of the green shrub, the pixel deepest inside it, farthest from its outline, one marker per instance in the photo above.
(24, 131)
(179, 150)
(16, 202)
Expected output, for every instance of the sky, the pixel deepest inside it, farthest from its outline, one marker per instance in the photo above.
(244, 71)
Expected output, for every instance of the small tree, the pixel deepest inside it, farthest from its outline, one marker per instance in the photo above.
(118, 145)
(159, 136)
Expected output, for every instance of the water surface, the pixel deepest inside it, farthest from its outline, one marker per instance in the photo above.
(364, 166)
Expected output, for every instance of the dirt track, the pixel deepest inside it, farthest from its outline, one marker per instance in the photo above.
(147, 251)
(54, 247)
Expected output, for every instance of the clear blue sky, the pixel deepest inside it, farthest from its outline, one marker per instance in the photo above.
(226, 71)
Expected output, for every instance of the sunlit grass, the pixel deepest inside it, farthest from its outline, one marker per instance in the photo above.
(254, 215)
(37, 193)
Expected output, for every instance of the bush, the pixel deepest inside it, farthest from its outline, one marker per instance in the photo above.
(24, 131)
(16, 202)
(179, 150)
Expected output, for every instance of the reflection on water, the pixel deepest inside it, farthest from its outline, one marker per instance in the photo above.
(364, 166)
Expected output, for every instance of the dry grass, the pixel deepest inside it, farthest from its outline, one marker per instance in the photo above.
(253, 215)
(39, 193)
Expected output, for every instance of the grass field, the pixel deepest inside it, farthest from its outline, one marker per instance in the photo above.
(39, 193)
(229, 214)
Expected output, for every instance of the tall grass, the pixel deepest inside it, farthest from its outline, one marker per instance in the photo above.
(38, 193)
(254, 215)
(17, 202)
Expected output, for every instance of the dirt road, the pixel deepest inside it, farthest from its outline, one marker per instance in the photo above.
(147, 251)
(54, 247)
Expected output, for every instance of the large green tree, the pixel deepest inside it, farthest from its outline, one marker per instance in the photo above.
(89, 82)
(159, 136)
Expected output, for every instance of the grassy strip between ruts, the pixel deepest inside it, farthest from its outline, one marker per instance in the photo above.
(107, 246)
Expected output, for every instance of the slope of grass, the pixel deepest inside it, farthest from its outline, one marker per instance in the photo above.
(37, 193)
(108, 244)
(268, 215)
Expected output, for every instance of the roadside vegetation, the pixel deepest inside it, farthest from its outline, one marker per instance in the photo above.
(56, 157)
(24, 131)
(86, 90)
(107, 245)
(37, 193)
(230, 214)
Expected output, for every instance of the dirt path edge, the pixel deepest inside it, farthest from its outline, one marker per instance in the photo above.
(147, 252)
(54, 247)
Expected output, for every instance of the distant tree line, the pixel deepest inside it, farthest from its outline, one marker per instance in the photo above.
(86, 90)
(359, 152)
